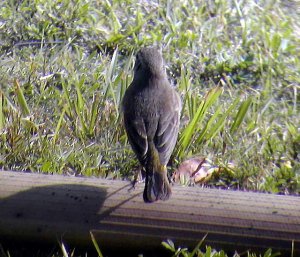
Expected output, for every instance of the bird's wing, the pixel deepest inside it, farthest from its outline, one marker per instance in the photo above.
(167, 131)
(137, 136)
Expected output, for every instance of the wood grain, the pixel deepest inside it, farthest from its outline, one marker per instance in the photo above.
(47, 208)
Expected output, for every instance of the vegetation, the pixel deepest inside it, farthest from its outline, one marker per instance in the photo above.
(62, 251)
(209, 252)
(64, 67)
(66, 64)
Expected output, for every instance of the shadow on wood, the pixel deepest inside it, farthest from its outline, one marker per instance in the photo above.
(46, 208)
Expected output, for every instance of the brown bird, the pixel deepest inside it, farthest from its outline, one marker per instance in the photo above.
(151, 110)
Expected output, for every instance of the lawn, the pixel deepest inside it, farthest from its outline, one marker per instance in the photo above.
(64, 67)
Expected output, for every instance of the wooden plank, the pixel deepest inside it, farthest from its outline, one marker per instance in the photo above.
(37, 207)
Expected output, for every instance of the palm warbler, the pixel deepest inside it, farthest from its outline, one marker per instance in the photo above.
(151, 110)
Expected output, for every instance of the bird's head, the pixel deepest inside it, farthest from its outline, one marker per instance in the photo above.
(149, 61)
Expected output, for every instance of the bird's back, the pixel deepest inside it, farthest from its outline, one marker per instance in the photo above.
(152, 113)
(148, 103)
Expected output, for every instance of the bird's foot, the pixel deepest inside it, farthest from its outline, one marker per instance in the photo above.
(139, 177)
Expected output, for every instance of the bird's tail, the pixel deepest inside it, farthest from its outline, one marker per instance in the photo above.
(157, 186)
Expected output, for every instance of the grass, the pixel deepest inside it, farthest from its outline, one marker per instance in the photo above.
(207, 251)
(64, 72)
(64, 67)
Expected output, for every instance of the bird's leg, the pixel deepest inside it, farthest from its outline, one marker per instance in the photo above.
(139, 177)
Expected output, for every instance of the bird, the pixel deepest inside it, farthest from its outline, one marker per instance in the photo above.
(151, 114)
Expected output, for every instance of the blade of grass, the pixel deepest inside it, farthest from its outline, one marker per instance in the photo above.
(80, 108)
(109, 80)
(66, 95)
(207, 126)
(94, 114)
(1, 110)
(21, 99)
(191, 130)
(185, 86)
(63, 249)
(80, 101)
(3, 253)
(96, 245)
(168, 244)
(125, 78)
(193, 253)
(211, 130)
(188, 132)
(59, 124)
(240, 115)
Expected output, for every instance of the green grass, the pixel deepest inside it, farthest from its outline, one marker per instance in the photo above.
(199, 251)
(209, 252)
(64, 67)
